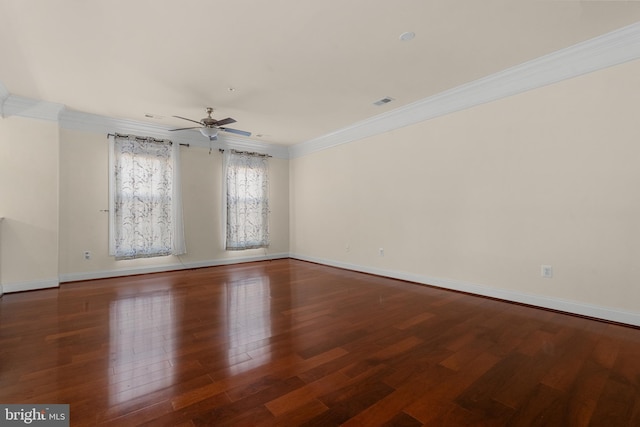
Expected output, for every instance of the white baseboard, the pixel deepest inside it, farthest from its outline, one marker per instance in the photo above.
(567, 306)
(104, 274)
(8, 288)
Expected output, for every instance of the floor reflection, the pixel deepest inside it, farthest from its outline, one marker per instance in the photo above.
(249, 320)
(142, 342)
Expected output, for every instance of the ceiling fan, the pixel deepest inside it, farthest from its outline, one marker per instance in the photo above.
(209, 126)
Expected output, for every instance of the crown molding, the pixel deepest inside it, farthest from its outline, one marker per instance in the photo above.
(14, 105)
(94, 123)
(4, 94)
(243, 144)
(77, 120)
(610, 49)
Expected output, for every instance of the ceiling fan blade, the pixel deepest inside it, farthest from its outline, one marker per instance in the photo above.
(226, 121)
(195, 127)
(239, 132)
(184, 118)
(213, 138)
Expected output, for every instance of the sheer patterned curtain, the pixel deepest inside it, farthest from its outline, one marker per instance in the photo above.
(145, 206)
(247, 204)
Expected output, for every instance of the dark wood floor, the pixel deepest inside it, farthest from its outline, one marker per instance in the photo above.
(293, 343)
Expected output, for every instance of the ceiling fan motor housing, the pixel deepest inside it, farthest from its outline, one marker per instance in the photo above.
(209, 121)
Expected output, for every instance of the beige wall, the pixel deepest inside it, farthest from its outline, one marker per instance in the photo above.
(487, 195)
(84, 193)
(29, 203)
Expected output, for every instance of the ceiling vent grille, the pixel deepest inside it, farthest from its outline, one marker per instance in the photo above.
(385, 100)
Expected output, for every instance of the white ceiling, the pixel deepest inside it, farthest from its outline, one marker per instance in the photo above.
(300, 68)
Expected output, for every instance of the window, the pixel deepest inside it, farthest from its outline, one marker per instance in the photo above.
(247, 205)
(145, 209)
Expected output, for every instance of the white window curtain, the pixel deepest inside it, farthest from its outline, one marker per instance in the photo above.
(246, 200)
(145, 202)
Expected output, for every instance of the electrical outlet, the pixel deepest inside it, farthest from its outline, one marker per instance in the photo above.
(87, 254)
(546, 271)
(381, 251)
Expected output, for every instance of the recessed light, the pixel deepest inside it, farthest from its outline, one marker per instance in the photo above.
(231, 89)
(406, 36)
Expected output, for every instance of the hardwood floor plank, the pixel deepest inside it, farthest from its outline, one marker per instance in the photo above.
(545, 406)
(144, 415)
(234, 412)
(395, 402)
(307, 394)
(402, 420)
(414, 320)
(120, 409)
(346, 403)
(433, 402)
(615, 405)
(297, 416)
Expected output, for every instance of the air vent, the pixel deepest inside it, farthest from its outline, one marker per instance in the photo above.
(383, 101)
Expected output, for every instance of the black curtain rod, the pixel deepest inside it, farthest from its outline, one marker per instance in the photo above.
(246, 152)
(142, 138)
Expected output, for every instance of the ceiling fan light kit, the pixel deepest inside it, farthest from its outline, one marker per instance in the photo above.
(209, 132)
